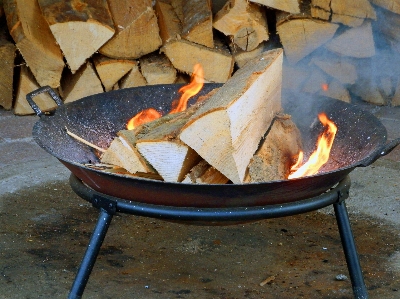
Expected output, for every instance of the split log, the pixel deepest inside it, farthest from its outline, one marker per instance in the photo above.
(367, 89)
(291, 6)
(137, 30)
(217, 64)
(134, 78)
(355, 42)
(35, 41)
(26, 84)
(157, 69)
(80, 28)
(391, 5)
(168, 22)
(7, 54)
(277, 152)
(396, 98)
(157, 142)
(244, 22)
(197, 22)
(111, 70)
(122, 152)
(240, 112)
(178, 8)
(335, 90)
(338, 67)
(241, 57)
(301, 36)
(204, 173)
(347, 12)
(81, 84)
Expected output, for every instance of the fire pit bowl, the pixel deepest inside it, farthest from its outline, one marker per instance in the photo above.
(361, 139)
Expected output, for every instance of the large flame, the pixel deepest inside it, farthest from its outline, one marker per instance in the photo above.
(321, 155)
(190, 90)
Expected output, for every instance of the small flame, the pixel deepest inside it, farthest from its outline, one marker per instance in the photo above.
(190, 90)
(325, 86)
(143, 117)
(321, 155)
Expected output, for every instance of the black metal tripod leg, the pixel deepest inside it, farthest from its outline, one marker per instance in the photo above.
(350, 251)
(97, 238)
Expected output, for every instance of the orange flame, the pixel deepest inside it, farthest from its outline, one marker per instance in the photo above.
(321, 155)
(325, 86)
(190, 90)
(143, 117)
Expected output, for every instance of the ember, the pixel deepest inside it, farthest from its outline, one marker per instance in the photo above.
(321, 155)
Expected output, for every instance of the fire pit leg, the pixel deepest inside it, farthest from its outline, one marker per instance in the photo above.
(99, 233)
(350, 251)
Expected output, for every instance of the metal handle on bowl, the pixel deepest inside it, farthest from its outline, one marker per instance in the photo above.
(48, 89)
(386, 149)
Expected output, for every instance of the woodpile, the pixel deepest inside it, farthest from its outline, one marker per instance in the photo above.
(342, 49)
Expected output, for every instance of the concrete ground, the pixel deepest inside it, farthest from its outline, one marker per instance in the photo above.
(45, 229)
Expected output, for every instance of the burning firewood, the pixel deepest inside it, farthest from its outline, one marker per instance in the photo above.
(240, 113)
(244, 22)
(274, 158)
(35, 41)
(122, 152)
(137, 30)
(204, 173)
(90, 21)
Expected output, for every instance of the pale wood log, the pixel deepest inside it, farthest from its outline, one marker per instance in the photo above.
(240, 112)
(157, 142)
(137, 31)
(291, 6)
(157, 69)
(344, 70)
(110, 168)
(80, 28)
(168, 22)
(336, 90)
(178, 8)
(367, 89)
(217, 63)
(277, 153)
(395, 101)
(352, 13)
(348, 12)
(244, 22)
(392, 5)
(134, 78)
(35, 41)
(241, 57)
(81, 84)
(355, 42)
(111, 70)
(301, 36)
(204, 173)
(26, 84)
(197, 22)
(122, 152)
(7, 54)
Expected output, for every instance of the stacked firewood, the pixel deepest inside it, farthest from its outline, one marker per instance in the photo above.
(336, 48)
